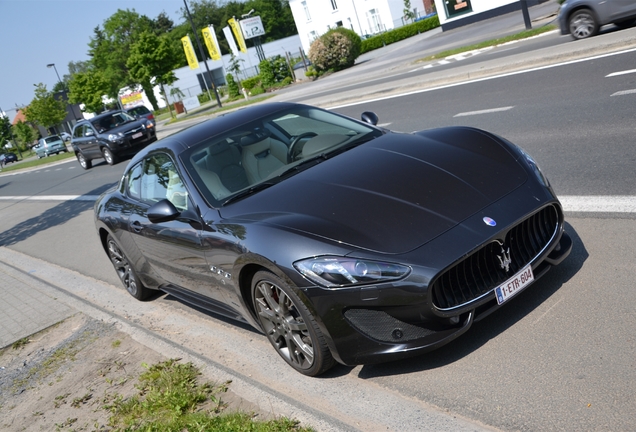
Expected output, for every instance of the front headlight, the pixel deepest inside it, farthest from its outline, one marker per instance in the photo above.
(115, 137)
(342, 272)
(535, 168)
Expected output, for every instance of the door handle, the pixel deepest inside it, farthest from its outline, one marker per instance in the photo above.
(136, 226)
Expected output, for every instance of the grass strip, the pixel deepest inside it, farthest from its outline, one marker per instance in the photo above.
(493, 42)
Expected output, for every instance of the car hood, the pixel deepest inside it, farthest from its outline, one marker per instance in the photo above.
(392, 194)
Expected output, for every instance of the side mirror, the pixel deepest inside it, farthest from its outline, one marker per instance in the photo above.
(89, 132)
(163, 211)
(370, 117)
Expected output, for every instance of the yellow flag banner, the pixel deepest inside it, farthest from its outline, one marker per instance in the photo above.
(210, 42)
(189, 52)
(238, 34)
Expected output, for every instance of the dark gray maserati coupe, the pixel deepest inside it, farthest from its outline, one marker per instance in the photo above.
(339, 240)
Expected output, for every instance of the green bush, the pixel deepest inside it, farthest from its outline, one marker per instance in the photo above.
(280, 68)
(333, 51)
(232, 86)
(287, 81)
(395, 35)
(257, 90)
(267, 73)
(356, 41)
(250, 83)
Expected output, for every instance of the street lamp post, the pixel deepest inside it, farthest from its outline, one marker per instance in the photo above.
(63, 91)
(52, 65)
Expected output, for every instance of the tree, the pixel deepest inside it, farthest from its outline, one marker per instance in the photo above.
(88, 88)
(152, 58)
(408, 11)
(44, 109)
(110, 49)
(5, 130)
(24, 134)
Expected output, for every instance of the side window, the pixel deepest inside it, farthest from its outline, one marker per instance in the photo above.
(133, 182)
(79, 131)
(160, 180)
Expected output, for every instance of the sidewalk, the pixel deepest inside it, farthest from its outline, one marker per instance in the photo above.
(25, 310)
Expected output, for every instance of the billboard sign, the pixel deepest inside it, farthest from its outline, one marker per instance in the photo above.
(252, 27)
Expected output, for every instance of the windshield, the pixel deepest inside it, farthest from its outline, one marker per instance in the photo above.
(111, 121)
(51, 139)
(265, 151)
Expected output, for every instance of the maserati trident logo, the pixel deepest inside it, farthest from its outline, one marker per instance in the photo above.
(505, 260)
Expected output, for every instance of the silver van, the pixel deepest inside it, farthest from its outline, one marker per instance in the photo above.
(584, 18)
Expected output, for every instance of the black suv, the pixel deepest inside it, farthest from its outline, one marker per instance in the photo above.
(111, 136)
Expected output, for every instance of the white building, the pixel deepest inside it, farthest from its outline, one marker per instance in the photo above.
(456, 13)
(366, 17)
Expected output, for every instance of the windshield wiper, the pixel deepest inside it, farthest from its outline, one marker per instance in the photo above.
(248, 191)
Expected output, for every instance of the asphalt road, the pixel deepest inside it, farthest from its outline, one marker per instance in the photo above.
(558, 357)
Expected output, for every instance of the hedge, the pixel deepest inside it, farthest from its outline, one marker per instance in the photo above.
(398, 34)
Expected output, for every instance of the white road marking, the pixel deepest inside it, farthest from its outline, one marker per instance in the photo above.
(571, 203)
(599, 204)
(494, 77)
(50, 198)
(624, 92)
(486, 111)
(621, 73)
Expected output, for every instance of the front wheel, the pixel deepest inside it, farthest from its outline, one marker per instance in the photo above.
(583, 24)
(84, 163)
(125, 270)
(289, 326)
(109, 157)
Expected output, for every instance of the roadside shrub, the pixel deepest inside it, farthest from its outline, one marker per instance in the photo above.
(232, 86)
(267, 73)
(249, 83)
(395, 35)
(280, 68)
(287, 81)
(257, 90)
(333, 51)
(356, 41)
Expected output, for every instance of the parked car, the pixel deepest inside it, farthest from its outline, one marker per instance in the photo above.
(50, 145)
(111, 135)
(142, 112)
(7, 158)
(339, 240)
(584, 18)
(65, 136)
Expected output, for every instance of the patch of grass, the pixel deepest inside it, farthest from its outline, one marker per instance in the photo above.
(227, 105)
(170, 398)
(52, 363)
(116, 343)
(37, 162)
(493, 42)
(19, 344)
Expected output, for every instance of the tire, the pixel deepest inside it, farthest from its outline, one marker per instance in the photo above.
(84, 163)
(125, 270)
(109, 157)
(583, 24)
(289, 325)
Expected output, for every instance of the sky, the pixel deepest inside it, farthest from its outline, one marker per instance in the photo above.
(34, 33)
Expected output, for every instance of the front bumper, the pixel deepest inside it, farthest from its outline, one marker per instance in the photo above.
(401, 319)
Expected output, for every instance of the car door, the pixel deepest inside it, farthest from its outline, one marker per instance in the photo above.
(85, 141)
(171, 249)
(622, 9)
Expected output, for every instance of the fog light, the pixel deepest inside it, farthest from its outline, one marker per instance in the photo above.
(454, 320)
(397, 334)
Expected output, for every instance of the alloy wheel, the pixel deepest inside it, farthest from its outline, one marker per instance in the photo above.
(284, 325)
(122, 267)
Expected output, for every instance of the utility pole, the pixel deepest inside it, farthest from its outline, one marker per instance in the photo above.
(526, 15)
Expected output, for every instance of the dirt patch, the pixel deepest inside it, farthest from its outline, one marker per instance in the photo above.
(65, 375)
